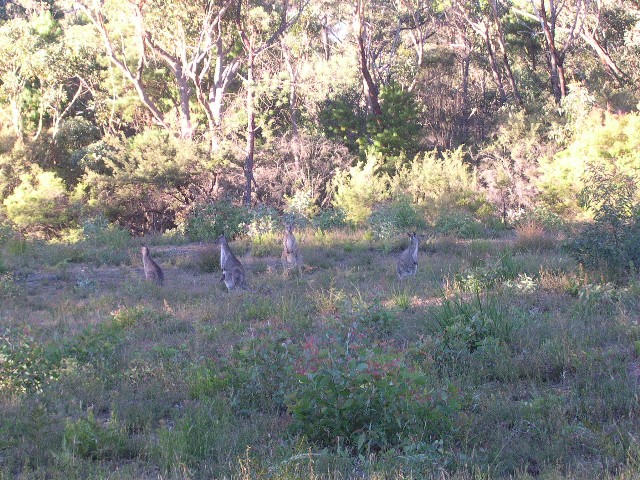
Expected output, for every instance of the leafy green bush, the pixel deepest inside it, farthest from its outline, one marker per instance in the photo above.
(300, 206)
(358, 190)
(441, 181)
(40, 205)
(98, 231)
(23, 365)
(459, 224)
(612, 241)
(329, 219)
(389, 219)
(366, 399)
(604, 137)
(209, 221)
(505, 269)
(263, 220)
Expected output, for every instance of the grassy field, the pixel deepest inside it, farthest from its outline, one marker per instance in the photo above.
(499, 358)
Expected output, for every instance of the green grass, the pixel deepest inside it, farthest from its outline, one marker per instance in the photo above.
(521, 364)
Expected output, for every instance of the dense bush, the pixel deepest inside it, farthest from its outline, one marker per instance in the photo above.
(612, 241)
(358, 190)
(605, 137)
(147, 183)
(40, 205)
(390, 219)
(209, 221)
(367, 399)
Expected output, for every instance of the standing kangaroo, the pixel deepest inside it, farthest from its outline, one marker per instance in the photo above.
(233, 274)
(408, 260)
(152, 270)
(290, 255)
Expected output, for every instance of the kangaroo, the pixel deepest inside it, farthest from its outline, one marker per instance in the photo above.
(408, 260)
(290, 255)
(152, 270)
(233, 274)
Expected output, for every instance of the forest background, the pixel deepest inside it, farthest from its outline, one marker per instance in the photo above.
(153, 115)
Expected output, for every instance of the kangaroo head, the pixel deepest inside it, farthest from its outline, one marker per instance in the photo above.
(145, 250)
(288, 227)
(220, 240)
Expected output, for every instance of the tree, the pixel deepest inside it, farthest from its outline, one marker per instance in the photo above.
(259, 29)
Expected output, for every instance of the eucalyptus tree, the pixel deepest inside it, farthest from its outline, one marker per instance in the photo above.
(484, 17)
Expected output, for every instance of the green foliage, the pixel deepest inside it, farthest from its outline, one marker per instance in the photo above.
(40, 205)
(459, 224)
(203, 432)
(505, 269)
(394, 136)
(23, 365)
(99, 232)
(358, 190)
(147, 184)
(611, 241)
(603, 138)
(390, 219)
(441, 182)
(343, 119)
(464, 326)
(367, 399)
(69, 148)
(329, 219)
(209, 221)
(258, 373)
(300, 207)
(89, 439)
(263, 221)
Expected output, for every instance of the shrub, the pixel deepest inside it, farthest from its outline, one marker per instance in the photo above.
(604, 137)
(459, 224)
(366, 399)
(506, 268)
(262, 220)
(389, 219)
(99, 231)
(40, 205)
(438, 180)
(209, 221)
(466, 326)
(612, 241)
(329, 219)
(23, 365)
(300, 206)
(358, 190)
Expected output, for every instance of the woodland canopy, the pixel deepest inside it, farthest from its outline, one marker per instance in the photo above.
(144, 113)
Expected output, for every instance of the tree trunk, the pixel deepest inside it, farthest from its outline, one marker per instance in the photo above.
(464, 123)
(251, 130)
(370, 88)
(495, 71)
(184, 90)
(503, 50)
(605, 58)
(293, 104)
(556, 67)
